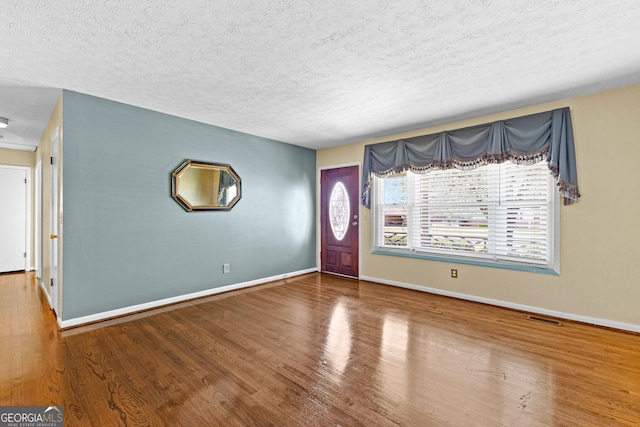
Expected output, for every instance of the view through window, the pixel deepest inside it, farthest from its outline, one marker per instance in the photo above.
(496, 213)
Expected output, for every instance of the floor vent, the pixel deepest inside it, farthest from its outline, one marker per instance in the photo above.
(544, 320)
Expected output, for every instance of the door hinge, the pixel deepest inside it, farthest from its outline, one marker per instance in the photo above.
(25, 255)
(25, 180)
(51, 160)
(52, 282)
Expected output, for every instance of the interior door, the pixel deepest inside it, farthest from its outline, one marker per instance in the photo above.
(339, 219)
(55, 212)
(13, 219)
(38, 220)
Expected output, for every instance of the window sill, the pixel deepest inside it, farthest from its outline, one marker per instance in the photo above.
(478, 262)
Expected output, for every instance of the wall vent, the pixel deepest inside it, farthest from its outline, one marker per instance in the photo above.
(546, 320)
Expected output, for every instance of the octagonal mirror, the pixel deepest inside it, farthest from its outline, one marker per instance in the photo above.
(205, 186)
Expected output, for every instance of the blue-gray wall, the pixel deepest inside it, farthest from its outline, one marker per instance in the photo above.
(126, 241)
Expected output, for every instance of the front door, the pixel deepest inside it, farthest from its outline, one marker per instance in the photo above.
(339, 195)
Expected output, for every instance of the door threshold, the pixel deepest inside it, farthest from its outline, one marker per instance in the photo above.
(341, 275)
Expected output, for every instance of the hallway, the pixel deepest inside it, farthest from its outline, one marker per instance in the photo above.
(30, 371)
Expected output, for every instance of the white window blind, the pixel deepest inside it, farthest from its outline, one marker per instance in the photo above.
(499, 213)
(393, 193)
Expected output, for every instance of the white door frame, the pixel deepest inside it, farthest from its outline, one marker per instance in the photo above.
(27, 216)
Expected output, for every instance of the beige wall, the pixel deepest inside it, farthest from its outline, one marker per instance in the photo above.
(43, 153)
(599, 241)
(17, 157)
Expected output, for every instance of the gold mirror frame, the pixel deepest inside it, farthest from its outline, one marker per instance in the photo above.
(205, 186)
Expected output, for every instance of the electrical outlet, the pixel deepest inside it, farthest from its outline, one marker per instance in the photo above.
(225, 268)
(454, 273)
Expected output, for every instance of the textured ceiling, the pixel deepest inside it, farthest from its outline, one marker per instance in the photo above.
(313, 73)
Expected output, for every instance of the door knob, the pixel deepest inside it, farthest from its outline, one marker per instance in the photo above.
(53, 236)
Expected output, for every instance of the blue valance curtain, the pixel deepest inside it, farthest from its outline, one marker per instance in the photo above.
(523, 140)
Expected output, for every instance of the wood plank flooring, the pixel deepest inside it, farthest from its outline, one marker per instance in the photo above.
(316, 350)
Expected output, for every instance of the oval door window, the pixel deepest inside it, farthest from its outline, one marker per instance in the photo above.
(339, 210)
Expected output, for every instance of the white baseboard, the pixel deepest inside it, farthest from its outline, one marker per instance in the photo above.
(45, 291)
(92, 318)
(538, 310)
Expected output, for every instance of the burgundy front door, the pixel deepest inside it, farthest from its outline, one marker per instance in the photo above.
(339, 220)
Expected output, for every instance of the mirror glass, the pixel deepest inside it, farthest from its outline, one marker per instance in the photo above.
(208, 186)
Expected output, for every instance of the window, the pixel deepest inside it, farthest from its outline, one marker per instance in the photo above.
(339, 211)
(499, 214)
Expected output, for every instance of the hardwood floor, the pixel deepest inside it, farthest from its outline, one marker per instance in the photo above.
(316, 350)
